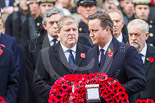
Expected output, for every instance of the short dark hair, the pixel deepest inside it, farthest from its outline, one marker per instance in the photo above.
(104, 18)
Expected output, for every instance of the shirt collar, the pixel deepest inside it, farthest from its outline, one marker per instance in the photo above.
(120, 38)
(144, 50)
(51, 38)
(106, 46)
(0, 35)
(65, 49)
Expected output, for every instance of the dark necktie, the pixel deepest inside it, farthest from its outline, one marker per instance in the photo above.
(54, 41)
(141, 55)
(71, 59)
(102, 56)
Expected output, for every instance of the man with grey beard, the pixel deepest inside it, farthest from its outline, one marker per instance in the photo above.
(138, 32)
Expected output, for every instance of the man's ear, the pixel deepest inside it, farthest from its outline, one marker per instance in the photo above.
(44, 25)
(107, 28)
(58, 31)
(79, 10)
(147, 35)
(123, 23)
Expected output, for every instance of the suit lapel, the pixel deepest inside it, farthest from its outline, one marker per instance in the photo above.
(110, 53)
(45, 42)
(59, 54)
(147, 64)
(78, 58)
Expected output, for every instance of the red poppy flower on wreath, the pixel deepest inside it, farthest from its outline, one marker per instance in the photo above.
(110, 53)
(1, 51)
(145, 101)
(150, 59)
(150, 101)
(2, 100)
(72, 88)
(83, 55)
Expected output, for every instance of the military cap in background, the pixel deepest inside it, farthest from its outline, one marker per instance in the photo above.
(85, 2)
(47, 1)
(141, 2)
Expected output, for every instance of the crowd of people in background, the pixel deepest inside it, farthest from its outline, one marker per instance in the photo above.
(42, 40)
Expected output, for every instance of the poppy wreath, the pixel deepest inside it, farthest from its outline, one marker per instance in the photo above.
(2, 100)
(109, 89)
(144, 101)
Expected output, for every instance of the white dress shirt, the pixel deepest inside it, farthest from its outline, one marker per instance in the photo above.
(51, 40)
(105, 48)
(120, 38)
(66, 52)
(7, 3)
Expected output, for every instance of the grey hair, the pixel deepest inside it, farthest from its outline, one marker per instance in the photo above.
(143, 25)
(117, 11)
(51, 12)
(64, 19)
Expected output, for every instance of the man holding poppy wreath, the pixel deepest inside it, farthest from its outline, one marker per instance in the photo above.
(138, 31)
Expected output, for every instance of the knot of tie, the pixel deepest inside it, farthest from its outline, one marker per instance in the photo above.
(54, 41)
(140, 55)
(102, 51)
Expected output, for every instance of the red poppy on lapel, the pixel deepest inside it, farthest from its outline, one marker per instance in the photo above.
(150, 59)
(1, 51)
(127, 43)
(110, 53)
(2, 45)
(83, 55)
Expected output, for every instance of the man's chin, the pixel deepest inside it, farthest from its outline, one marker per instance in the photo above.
(135, 45)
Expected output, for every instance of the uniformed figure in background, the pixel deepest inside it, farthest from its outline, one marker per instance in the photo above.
(127, 8)
(142, 11)
(43, 5)
(14, 21)
(28, 30)
(85, 8)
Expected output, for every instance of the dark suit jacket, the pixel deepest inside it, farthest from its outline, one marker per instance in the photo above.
(31, 54)
(10, 43)
(8, 76)
(125, 39)
(53, 64)
(2, 3)
(149, 69)
(124, 66)
(22, 81)
(84, 34)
